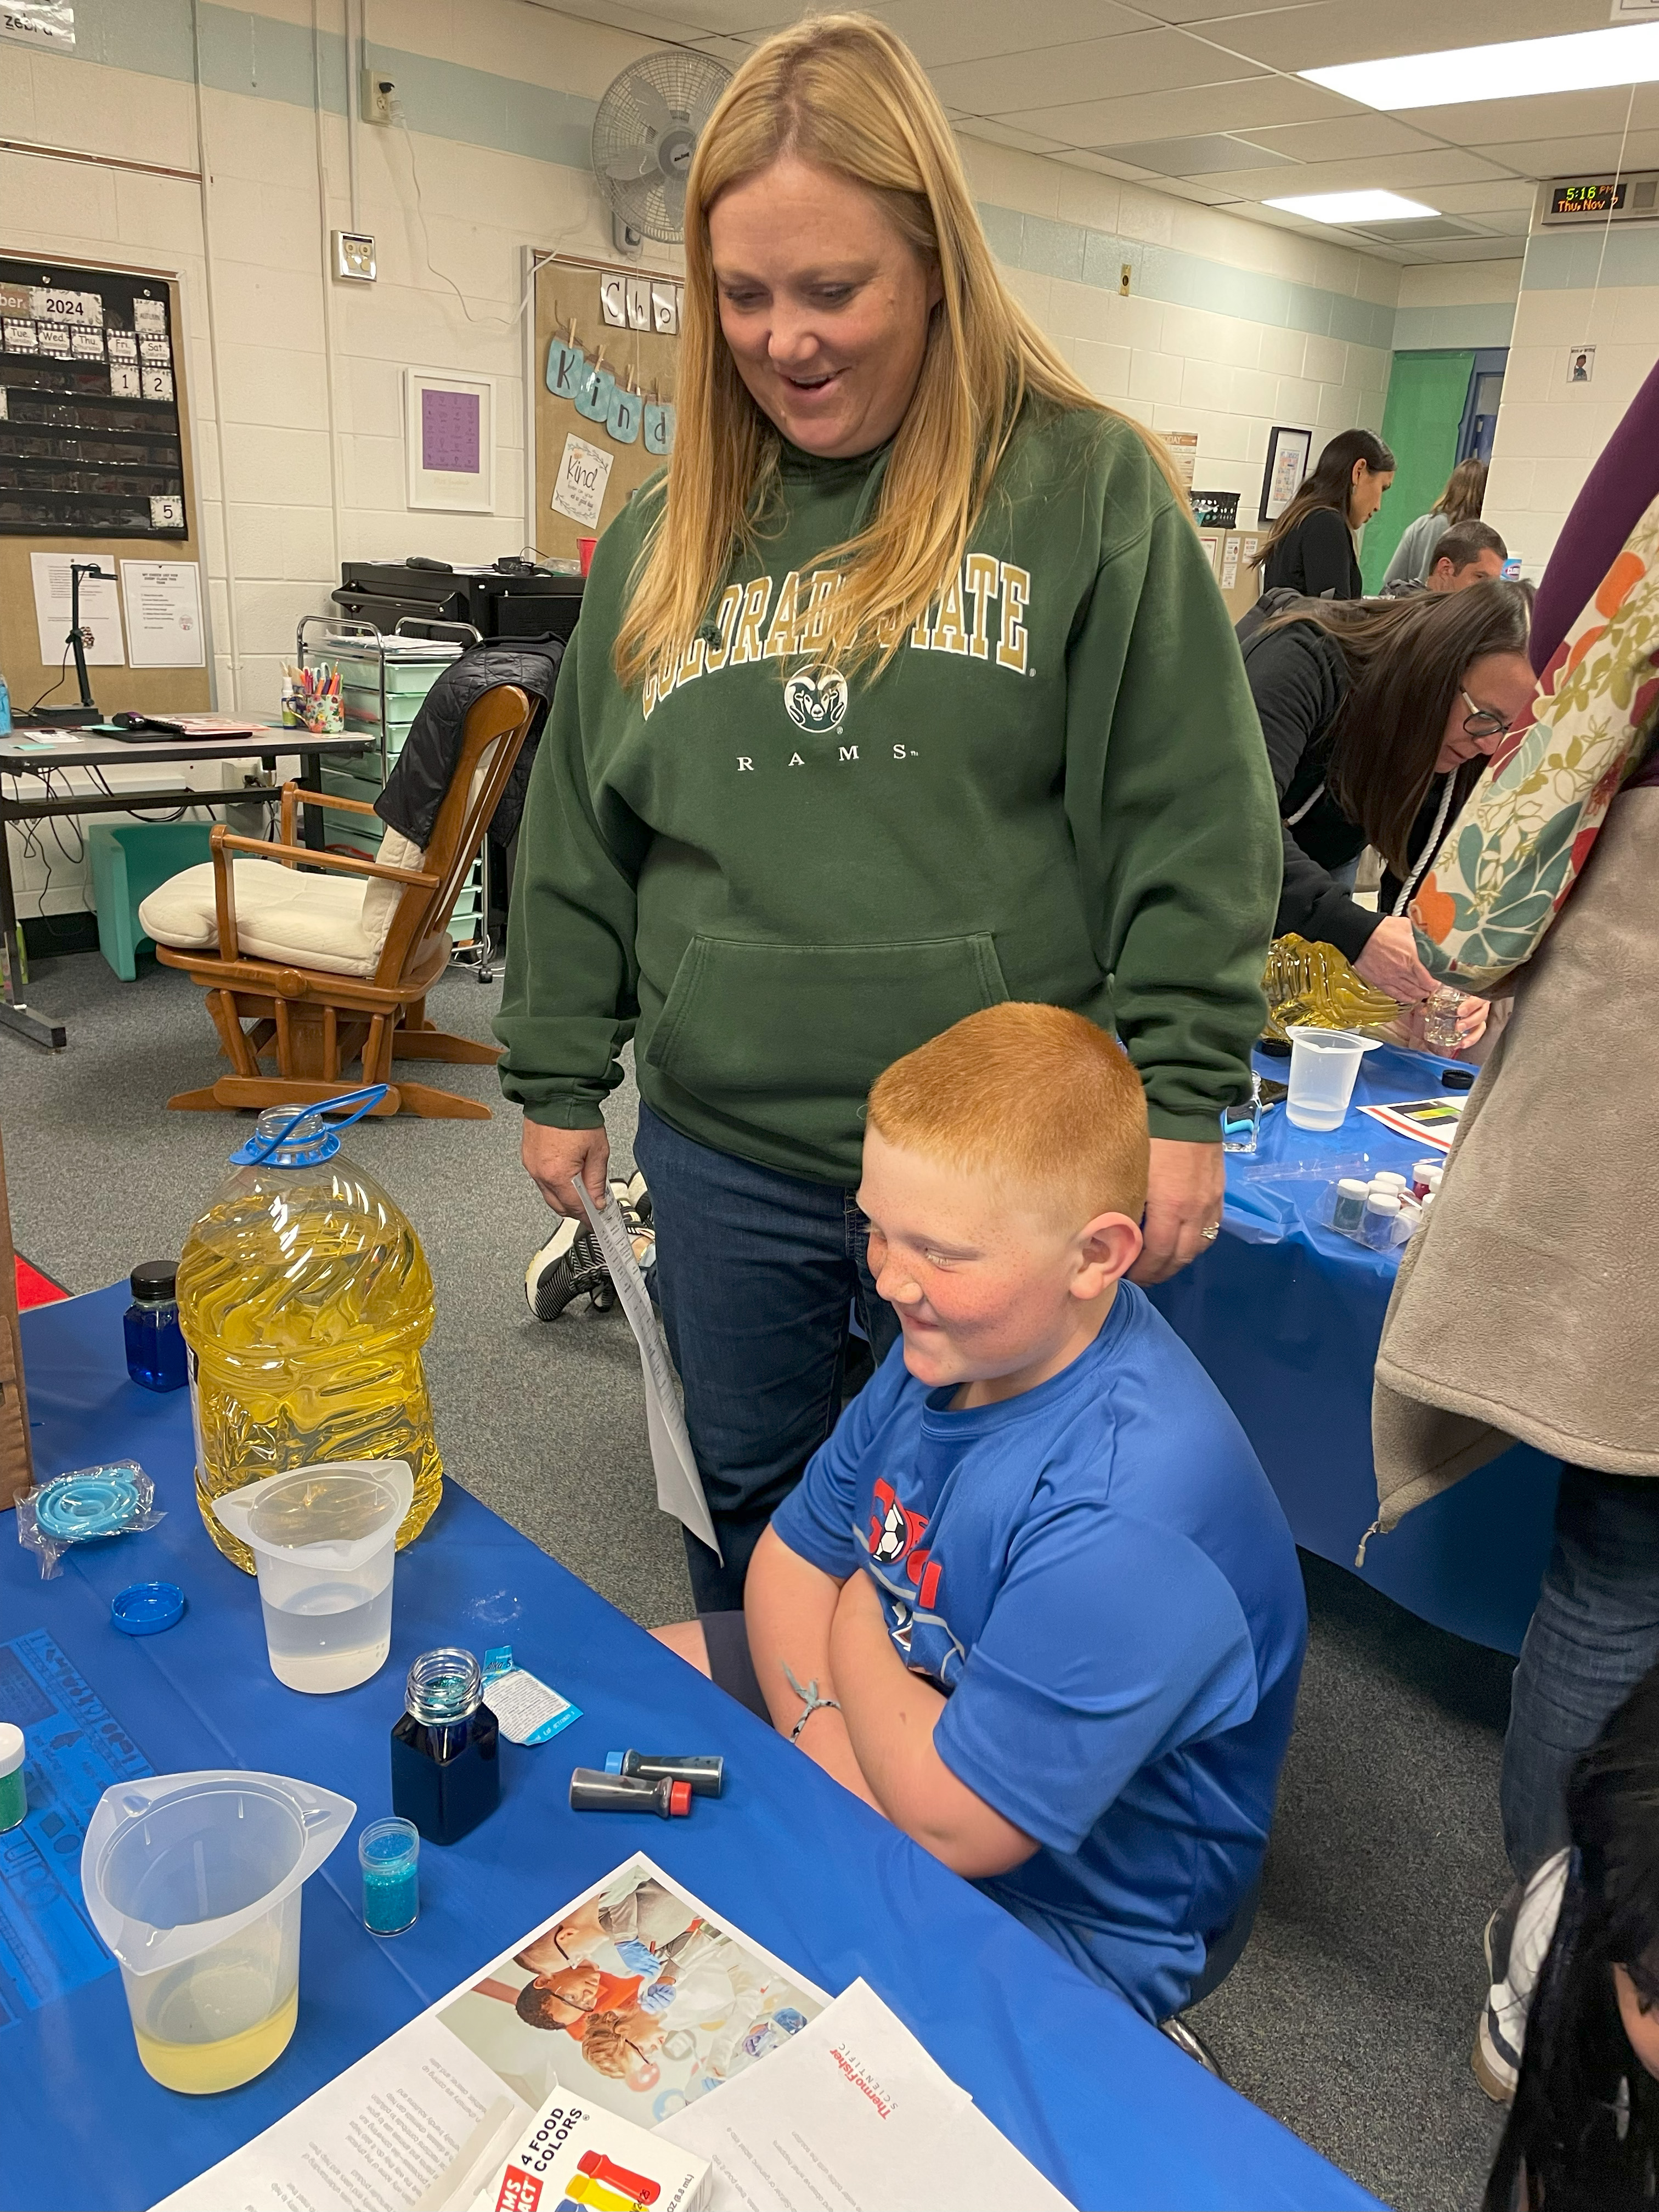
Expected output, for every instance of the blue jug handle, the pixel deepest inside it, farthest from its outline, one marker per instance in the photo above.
(255, 1150)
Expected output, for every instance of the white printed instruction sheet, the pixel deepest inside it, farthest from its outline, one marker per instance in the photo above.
(633, 1997)
(855, 2117)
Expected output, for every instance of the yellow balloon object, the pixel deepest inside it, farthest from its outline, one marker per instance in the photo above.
(1313, 987)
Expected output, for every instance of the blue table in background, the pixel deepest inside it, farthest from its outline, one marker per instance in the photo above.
(1286, 1316)
(1112, 2112)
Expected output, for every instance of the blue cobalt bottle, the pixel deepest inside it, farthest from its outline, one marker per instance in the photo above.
(156, 1350)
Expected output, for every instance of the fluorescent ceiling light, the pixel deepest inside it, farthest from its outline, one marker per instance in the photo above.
(1581, 61)
(1354, 207)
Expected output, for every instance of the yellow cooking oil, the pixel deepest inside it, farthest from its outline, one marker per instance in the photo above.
(305, 1299)
(1313, 987)
(200, 2069)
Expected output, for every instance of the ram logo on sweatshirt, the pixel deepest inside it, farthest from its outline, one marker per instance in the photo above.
(979, 614)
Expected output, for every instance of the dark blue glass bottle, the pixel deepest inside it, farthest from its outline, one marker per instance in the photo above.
(156, 1350)
(446, 1749)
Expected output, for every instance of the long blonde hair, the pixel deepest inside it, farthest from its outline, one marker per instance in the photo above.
(844, 93)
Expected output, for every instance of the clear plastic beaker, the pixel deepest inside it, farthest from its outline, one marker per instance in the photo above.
(193, 1881)
(1323, 1066)
(323, 1539)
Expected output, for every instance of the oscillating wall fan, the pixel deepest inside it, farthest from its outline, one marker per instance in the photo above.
(644, 134)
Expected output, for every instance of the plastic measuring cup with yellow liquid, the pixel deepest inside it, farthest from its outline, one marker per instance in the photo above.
(193, 1881)
(304, 1300)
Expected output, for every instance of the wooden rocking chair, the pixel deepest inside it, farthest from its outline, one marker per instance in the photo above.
(315, 1021)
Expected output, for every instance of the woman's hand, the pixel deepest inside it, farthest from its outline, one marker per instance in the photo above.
(1184, 1190)
(1471, 1026)
(553, 1160)
(1389, 963)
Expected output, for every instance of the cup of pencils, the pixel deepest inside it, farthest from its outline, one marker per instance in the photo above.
(318, 700)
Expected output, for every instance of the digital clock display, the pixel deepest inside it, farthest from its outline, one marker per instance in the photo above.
(1586, 199)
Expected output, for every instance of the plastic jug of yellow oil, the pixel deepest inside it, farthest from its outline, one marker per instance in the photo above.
(1312, 986)
(193, 1881)
(304, 1298)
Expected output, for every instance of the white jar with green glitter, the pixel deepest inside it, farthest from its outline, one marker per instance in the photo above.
(14, 1796)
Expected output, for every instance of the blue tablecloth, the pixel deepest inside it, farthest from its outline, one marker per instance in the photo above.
(1286, 1316)
(1110, 2110)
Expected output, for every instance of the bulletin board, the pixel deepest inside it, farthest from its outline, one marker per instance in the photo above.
(570, 320)
(94, 458)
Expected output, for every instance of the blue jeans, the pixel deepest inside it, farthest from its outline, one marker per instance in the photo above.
(758, 1274)
(1594, 1634)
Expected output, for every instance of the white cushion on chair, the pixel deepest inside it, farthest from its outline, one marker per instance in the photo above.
(335, 923)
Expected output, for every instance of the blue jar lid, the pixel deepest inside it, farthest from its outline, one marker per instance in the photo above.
(613, 1761)
(146, 1609)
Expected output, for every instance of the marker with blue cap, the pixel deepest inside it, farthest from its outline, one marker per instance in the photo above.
(705, 1773)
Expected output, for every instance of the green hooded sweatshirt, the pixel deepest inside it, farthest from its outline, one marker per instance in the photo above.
(779, 880)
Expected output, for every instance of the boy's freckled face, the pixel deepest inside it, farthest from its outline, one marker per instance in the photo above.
(983, 1285)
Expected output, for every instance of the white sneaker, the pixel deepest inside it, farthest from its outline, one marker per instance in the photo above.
(569, 1264)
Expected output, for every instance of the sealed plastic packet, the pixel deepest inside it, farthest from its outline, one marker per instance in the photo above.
(79, 1507)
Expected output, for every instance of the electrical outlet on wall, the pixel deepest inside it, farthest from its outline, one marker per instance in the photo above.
(378, 89)
(354, 256)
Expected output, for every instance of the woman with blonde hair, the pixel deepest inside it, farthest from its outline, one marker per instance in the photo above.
(1461, 502)
(905, 689)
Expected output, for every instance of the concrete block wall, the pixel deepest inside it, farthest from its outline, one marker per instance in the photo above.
(1550, 429)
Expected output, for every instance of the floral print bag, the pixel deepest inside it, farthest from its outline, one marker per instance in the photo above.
(1526, 831)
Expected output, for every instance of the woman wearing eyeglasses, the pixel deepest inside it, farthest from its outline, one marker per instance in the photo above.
(1379, 715)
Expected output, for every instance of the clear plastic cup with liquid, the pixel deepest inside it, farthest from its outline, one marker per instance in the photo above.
(324, 1545)
(1323, 1066)
(193, 1881)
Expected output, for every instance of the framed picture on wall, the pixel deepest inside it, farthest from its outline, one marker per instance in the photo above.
(449, 440)
(1288, 452)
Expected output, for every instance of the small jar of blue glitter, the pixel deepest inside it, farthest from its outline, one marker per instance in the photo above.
(389, 1853)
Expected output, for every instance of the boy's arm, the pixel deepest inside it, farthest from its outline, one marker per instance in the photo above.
(789, 1605)
(888, 1714)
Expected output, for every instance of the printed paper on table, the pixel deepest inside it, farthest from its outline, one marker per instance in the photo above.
(855, 2114)
(668, 2000)
(1435, 1120)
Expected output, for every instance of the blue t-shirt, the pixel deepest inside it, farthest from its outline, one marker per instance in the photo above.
(1099, 1576)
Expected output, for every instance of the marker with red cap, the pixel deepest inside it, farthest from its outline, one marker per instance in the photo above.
(593, 1792)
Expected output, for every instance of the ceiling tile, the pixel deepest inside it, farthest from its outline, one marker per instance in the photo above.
(1094, 69)
(943, 31)
(1571, 157)
(1358, 31)
(1416, 176)
(1213, 154)
(1003, 133)
(1498, 195)
(1098, 122)
(1344, 138)
(1548, 115)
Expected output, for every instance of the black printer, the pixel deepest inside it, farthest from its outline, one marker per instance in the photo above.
(511, 599)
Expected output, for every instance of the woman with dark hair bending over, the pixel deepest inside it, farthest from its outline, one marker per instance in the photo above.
(1310, 547)
(1379, 718)
(1571, 2027)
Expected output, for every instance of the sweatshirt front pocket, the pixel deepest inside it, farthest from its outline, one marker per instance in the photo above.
(753, 1021)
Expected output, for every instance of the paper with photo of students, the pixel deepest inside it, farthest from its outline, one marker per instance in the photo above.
(640, 2000)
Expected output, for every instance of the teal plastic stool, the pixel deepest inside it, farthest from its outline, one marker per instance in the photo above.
(129, 859)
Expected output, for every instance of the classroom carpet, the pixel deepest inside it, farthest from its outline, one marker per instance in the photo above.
(1351, 2014)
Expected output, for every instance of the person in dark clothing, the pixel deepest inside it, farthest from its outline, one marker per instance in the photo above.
(1310, 547)
(1379, 720)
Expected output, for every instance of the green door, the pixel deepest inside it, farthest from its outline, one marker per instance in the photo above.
(1427, 395)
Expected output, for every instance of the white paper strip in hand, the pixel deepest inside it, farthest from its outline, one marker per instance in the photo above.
(679, 1486)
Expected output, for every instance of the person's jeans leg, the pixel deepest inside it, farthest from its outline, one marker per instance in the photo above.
(1594, 1635)
(755, 1278)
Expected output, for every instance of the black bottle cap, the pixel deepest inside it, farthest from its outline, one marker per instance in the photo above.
(154, 1280)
